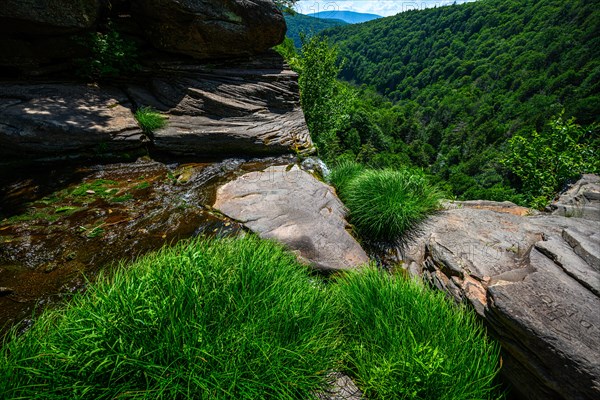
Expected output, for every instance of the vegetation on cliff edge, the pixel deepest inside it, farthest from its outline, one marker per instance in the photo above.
(445, 89)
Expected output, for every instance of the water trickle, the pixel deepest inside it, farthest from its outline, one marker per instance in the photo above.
(60, 225)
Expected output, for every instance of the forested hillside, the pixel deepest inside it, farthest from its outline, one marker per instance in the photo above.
(466, 78)
(299, 23)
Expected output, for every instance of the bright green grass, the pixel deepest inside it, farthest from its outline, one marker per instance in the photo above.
(149, 119)
(234, 318)
(342, 174)
(386, 205)
(241, 319)
(98, 187)
(406, 342)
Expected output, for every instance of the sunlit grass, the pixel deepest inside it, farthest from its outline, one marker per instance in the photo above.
(149, 119)
(405, 341)
(234, 318)
(342, 174)
(385, 205)
(242, 319)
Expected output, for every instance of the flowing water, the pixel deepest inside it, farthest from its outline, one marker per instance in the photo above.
(59, 226)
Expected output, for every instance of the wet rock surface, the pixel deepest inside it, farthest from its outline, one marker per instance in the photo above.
(291, 206)
(61, 225)
(536, 282)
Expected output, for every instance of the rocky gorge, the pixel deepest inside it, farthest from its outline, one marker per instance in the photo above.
(84, 186)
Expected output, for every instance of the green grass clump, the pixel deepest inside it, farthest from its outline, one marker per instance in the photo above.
(98, 187)
(31, 215)
(149, 119)
(241, 319)
(406, 341)
(233, 318)
(385, 205)
(342, 174)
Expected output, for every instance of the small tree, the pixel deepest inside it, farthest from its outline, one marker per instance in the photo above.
(326, 101)
(545, 162)
(111, 55)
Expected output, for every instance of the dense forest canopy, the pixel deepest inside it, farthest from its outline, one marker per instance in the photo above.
(464, 79)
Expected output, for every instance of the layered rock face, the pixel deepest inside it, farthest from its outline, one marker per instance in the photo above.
(245, 104)
(580, 200)
(42, 32)
(211, 28)
(249, 107)
(50, 120)
(534, 279)
(235, 107)
(49, 16)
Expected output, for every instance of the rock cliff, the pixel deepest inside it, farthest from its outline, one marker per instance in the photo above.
(44, 35)
(205, 66)
(535, 279)
(222, 92)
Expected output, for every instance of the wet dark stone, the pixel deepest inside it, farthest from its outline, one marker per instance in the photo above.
(59, 226)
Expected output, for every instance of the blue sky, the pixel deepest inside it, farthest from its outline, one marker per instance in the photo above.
(380, 7)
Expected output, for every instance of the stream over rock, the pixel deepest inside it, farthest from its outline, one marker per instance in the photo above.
(61, 225)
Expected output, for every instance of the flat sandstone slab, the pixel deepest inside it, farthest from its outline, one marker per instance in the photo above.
(289, 205)
(65, 119)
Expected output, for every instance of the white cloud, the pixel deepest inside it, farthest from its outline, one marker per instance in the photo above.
(380, 7)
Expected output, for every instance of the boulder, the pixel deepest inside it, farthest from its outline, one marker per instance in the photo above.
(536, 282)
(65, 120)
(249, 106)
(37, 36)
(581, 199)
(211, 28)
(289, 205)
(48, 17)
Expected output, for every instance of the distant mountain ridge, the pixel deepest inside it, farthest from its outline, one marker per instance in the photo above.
(350, 17)
(298, 24)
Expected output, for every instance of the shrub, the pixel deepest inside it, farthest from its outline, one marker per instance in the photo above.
(149, 119)
(546, 162)
(405, 341)
(233, 318)
(385, 205)
(111, 55)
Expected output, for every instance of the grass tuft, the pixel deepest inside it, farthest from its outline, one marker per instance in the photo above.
(149, 119)
(406, 341)
(385, 205)
(342, 174)
(234, 318)
(241, 319)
